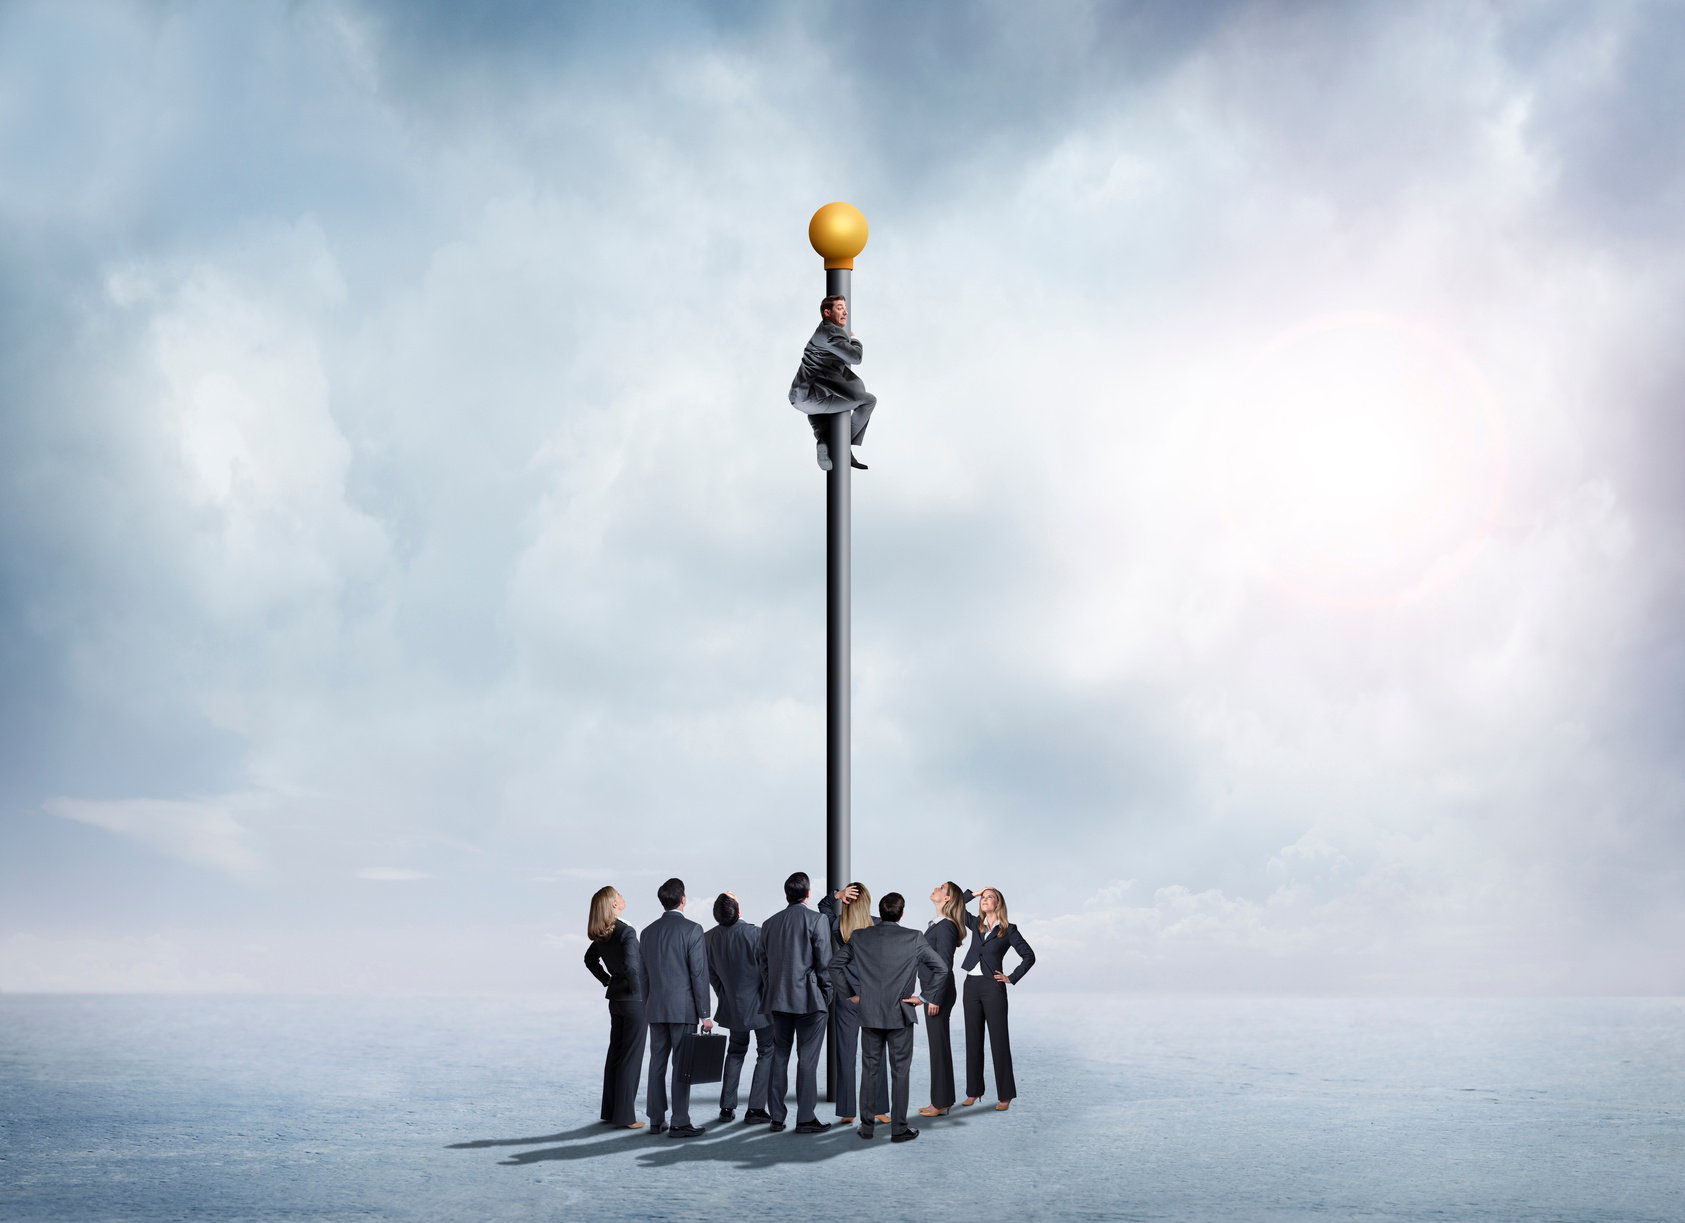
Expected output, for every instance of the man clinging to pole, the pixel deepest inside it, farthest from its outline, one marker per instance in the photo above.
(825, 384)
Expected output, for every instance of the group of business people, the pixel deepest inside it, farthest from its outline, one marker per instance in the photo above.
(776, 983)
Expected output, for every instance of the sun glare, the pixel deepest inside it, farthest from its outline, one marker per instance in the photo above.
(1362, 460)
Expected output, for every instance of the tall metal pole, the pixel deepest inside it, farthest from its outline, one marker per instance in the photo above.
(838, 666)
(838, 233)
(837, 640)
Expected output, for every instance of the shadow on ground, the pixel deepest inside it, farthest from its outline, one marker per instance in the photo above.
(743, 1145)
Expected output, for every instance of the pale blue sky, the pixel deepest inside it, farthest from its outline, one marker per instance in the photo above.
(403, 530)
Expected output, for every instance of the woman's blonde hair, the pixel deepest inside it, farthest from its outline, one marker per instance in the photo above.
(601, 923)
(856, 914)
(954, 909)
(1000, 909)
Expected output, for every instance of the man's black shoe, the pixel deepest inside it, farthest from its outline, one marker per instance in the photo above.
(815, 1126)
(756, 1116)
(776, 1126)
(685, 1131)
(728, 1114)
(655, 1127)
(906, 1135)
(865, 1132)
(854, 462)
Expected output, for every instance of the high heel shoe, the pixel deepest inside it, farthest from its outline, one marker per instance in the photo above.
(969, 1101)
(1003, 1106)
(928, 1111)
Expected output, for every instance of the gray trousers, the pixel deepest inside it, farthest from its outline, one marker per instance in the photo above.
(735, 1053)
(899, 1043)
(807, 1034)
(821, 422)
(664, 1041)
(874, 1092)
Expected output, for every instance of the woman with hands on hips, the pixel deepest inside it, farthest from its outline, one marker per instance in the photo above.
(615, 959)
(986, 984)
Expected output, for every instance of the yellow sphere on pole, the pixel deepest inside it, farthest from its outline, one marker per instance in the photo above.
(838, 233)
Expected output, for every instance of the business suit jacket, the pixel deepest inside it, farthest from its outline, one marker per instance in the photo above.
(734, 970)
(618, 963)
(676, 967)
(989, 953)
(824, 382)
(891, 961)
(944, 939)
(794, 958)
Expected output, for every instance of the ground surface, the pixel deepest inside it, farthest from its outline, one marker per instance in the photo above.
(117, 1108)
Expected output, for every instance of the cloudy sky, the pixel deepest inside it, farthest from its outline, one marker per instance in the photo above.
(1269, 573)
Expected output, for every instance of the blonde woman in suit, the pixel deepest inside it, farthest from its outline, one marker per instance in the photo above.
(616, 960)
(944, 935)
(855, 912)
(986, 984)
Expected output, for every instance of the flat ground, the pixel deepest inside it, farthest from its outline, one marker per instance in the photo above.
(116, 1108)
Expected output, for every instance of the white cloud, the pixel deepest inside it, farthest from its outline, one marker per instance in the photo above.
(391, 874)
(203, 832)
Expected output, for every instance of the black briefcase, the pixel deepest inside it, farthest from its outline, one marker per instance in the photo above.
(701, 1058)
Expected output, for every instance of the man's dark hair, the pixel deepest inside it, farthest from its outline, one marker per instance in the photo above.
(796, 887)
(725, 910)
(670, 893)
(825, 302)
(892, 906)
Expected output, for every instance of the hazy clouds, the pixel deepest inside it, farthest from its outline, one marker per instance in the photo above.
(403, 530)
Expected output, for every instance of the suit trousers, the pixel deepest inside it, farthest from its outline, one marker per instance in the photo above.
(985, 1003)
(899, 1042)
(663, 1043)
(874, 1092)
(807, 1034)
(940, 1036)
(862, 416)
(735, 1052)
(621, 1071)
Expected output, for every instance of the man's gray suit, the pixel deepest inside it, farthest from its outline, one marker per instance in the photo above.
(891, 963)
(795, 953)
(734, 970)
(676, 968)
(825, 384)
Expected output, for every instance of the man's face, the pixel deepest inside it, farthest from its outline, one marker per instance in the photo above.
(838, 313)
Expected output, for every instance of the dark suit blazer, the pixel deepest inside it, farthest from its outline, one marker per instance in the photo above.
(944, 939)
(734, 970)
(891, 962)
(676, 966)
(989, 953)
(795, 955)
(624, 975)
(824, 382)
(833, 914)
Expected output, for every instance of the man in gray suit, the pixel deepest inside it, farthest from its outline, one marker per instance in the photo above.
(890, 963)
(824, 384)
(676, 970)
(794, 954)
(734, 970)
